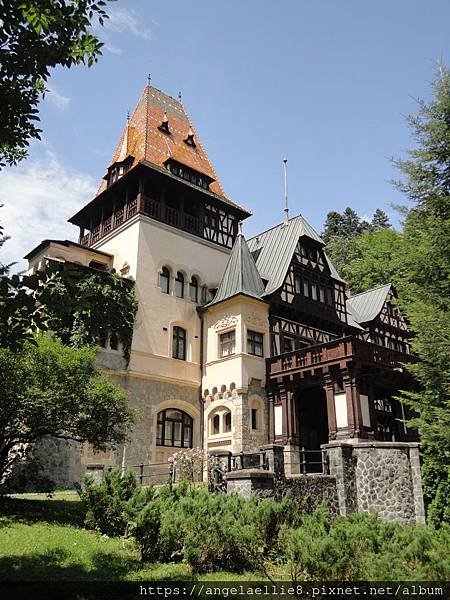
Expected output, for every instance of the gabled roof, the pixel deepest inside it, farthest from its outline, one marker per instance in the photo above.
(273, 250)
(66, 243)
(240, 276)
(367, 306)
(143, 139)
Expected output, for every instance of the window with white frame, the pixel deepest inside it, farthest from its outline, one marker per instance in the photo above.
(228, 343)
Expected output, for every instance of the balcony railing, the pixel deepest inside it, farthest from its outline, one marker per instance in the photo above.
(146, 206)
(336, 351)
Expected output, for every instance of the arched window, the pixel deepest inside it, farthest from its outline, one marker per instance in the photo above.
(179, 343)
(193, 289)
(164, 280)
(216, 424)
(179, 285)
(174, 429)
(228, 422)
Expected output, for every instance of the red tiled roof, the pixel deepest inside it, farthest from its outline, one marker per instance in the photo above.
(144, 141)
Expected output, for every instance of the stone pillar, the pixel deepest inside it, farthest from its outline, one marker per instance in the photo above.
(382, 477)
(341, 463)
(251, 482)
(275, 458)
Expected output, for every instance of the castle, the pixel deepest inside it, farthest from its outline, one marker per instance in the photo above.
(237, 343)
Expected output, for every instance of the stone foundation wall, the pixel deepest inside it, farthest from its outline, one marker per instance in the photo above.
(67, 462)
(310, 491)
(382, 477)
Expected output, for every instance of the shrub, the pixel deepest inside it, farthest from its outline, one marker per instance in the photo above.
(361, 547)
(211, 532)
(113, 504)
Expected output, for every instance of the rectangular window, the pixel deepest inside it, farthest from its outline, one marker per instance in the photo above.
(255, 343)
(329, 297)
(298, 284)
(254, 418)
(306, 289)
(228, 343)
(321, 294)
(314, 291)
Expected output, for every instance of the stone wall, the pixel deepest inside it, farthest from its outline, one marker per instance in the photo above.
(310, 491)
(382, 477)
(67, 462)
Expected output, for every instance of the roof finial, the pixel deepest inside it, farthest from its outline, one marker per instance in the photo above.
(240, 233)
(286, 207)
(149, 79)
(128, 117)
(180, 96)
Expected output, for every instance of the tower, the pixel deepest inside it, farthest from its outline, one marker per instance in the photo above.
(162, 214)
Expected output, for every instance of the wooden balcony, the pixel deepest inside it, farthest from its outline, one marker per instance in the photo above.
(145, 206)
(338, 352)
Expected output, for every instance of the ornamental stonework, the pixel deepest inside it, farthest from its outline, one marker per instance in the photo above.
(254, 319)
(225, 322)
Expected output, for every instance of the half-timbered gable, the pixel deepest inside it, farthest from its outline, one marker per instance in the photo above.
(377, 311)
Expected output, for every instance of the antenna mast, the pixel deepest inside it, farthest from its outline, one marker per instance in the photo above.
(286, 207)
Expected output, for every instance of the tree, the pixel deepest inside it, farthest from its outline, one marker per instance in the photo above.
(380, 220)
(344, 225)
(424, 284)
(78, 305)
(36, 35)
(367, 260)
(49, 389)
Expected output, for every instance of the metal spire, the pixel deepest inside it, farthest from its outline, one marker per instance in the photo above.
(286, 207)
(180, 97)
(149, 79)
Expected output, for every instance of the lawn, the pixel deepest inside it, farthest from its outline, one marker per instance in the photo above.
(42, 539)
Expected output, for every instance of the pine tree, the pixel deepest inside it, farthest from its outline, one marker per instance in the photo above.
(424, 285)
(380, 220)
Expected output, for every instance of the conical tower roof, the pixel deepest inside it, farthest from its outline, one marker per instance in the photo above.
(240, 276)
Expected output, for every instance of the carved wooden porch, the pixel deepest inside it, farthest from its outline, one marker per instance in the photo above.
(352, 374)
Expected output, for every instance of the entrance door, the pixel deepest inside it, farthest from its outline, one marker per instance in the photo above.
(312, 417)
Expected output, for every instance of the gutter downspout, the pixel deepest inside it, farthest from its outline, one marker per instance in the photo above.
(200, 397)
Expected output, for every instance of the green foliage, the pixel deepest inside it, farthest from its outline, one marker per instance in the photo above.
(367, 260)
(361, 547)
(113, 504)
(79, 306)
(35, 36)
(212, 532)
(49, 389)
(424, 282)
(349, 224)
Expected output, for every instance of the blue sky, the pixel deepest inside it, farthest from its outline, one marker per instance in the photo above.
(324, 83)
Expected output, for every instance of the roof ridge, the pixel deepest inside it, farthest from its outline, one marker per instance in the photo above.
(275, 226)
(378, 287)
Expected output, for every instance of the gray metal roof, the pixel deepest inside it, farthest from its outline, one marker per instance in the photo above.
(241, 275)
(273, 250)
(366, 306)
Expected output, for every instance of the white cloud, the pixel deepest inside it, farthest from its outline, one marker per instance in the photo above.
(121, 20)
(62, 102)
(38, 197)
(127, 21)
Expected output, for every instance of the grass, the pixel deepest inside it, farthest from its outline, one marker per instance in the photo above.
(42, 539)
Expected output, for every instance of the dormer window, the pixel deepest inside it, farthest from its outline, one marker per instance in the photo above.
(188, 174)
(164, 127)
(190, 138)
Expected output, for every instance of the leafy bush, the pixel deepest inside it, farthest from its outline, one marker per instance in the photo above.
(112, 505)
(361, 547)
